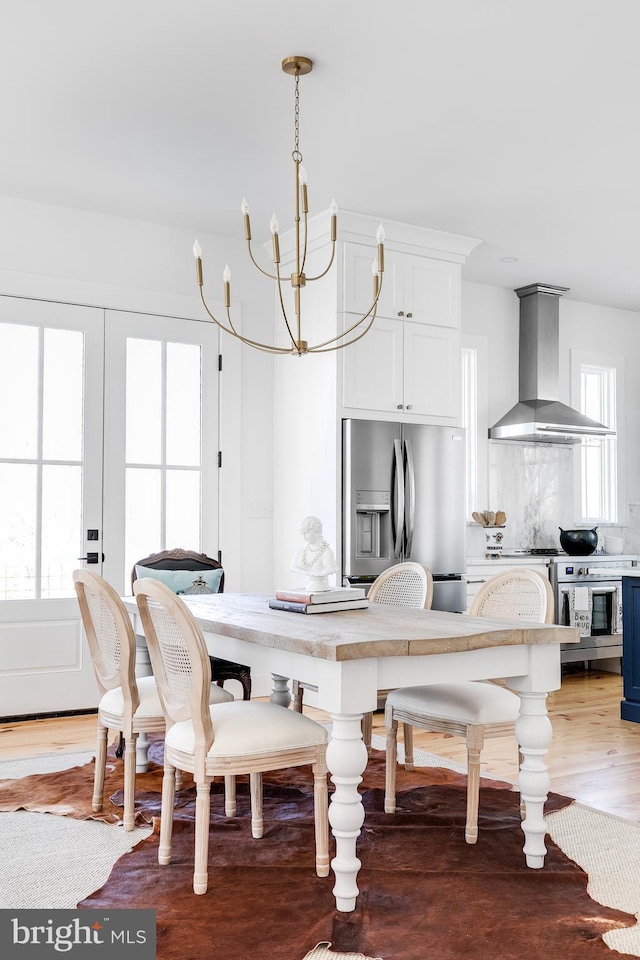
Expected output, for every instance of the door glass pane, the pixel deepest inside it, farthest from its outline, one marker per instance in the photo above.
(144, 401)
(143, 529)
(18, 519)
(61, 528)
(62, 412)
(183, 509)
(183, 404)
(18, 390)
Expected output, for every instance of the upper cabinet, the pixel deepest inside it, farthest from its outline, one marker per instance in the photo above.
(404, 368)
(415, 288)
(409, 362)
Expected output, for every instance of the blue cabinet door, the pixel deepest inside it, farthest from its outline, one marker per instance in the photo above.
(630, 706)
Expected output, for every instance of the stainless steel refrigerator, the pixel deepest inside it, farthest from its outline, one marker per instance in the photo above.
(403, 498)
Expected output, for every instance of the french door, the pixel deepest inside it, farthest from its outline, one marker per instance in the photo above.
(161, 446)
(103, 421)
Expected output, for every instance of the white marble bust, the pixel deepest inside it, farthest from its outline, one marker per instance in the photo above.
(315, 559)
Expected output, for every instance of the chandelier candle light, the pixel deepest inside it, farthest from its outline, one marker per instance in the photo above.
(296, 67)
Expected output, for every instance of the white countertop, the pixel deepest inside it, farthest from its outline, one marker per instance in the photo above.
(509, 561)
(504, 559)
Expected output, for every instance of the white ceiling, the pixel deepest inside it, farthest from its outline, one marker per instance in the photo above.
(513, 121)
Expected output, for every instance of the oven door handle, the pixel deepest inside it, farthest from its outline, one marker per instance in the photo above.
(593, 587)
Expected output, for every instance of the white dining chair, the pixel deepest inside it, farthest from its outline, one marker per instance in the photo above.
(474, 709)
(247, 736)
(127, 704)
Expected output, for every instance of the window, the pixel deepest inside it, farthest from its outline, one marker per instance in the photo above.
(598, 455)
(41, 459)
(163, 439)
(161, 467)
(470, 423)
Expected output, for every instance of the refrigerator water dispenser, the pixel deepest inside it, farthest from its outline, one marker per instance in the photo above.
(372, 524)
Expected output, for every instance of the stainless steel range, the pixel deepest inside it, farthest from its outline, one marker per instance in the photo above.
(588, 595)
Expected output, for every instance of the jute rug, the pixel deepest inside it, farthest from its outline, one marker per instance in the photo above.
(424, 892)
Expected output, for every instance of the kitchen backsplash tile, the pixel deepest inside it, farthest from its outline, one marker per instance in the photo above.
(532, 483)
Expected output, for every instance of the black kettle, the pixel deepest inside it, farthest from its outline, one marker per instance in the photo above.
(578, 543)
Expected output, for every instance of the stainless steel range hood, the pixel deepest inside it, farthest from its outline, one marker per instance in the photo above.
(540, 417)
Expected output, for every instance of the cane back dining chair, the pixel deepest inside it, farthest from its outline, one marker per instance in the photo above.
(405, 584)
(127, 704)
(173, 567)
(223, 739)
(474, 709)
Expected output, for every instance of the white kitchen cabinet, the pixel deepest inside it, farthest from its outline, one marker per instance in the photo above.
(419, 288)
(409, 362)
(479, 571)
(373, 368)
(404, 367)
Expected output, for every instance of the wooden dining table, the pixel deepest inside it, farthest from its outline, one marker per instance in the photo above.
(351, 655)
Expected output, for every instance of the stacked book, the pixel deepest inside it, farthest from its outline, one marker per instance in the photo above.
(325, 601)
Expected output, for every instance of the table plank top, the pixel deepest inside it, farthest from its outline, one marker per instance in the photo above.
(377, 631)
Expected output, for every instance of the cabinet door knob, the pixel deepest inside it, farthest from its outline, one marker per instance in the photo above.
(409, 315)
(409, 406)
(400, 406)
(401, 313)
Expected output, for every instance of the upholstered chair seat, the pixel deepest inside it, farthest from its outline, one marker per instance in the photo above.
(466, 702)
(261, 730)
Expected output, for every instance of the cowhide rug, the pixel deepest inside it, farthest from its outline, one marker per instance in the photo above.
(424, 893)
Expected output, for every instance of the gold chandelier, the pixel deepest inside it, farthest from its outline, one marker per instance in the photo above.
(296, 67)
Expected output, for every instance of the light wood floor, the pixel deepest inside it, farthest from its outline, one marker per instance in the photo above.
(594, 755)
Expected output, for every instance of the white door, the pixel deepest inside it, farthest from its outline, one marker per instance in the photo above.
(161, 440)
(51, 388)
(79, 388)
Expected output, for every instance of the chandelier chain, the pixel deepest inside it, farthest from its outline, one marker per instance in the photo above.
(297, 156)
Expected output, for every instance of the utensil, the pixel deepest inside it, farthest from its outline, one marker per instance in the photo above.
(491, 518)
(479, 518)
(578, 543)
(501, 518)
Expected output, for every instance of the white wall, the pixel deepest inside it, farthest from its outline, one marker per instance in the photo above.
(534, 484)
(75, 256)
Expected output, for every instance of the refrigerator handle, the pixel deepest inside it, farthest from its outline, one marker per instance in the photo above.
(398, 498)
(410, 499)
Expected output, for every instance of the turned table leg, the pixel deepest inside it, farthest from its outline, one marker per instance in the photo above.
(346, 760)
(142, 753)
(143, 669)
(533, 732)
(280, 692)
